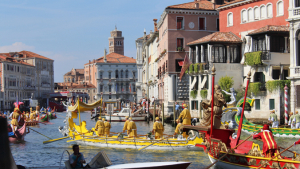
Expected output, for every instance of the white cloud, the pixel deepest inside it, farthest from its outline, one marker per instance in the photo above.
(16, 47)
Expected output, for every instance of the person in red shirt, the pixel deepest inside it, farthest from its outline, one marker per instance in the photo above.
(269, 144)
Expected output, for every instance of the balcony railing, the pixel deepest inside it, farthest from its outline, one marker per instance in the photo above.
(265, 55)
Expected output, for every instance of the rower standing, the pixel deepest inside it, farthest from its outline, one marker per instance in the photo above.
(99, 127)
(185, 115)
(131, 128)
(291, 121)
(269, 144)
(297, 119)
(273, 118)
(32, 116)
(158, 128)
(107, 127)
(125, 124)
(15, 118)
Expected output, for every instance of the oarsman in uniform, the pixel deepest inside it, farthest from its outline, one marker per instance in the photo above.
(107, 127)
(131, 128)
(292, 122)
(125, 124)
(32, 116)
(297, 119)
(27, 116)
(177, 128)
(99, 127)
(15, 118)
(273, 119)
(269, 144)
(158, 128)
(185, 115)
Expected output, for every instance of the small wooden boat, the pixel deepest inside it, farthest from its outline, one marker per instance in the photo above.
(19, 135)
(120, 116)
(32, 123)
(44, 118)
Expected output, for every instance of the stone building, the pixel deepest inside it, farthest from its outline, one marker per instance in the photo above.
(74, 76)
(116, 42)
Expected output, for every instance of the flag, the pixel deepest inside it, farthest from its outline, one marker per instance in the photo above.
(130, 87)
(185, 66)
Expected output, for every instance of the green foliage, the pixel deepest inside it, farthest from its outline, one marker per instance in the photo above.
(226, 96)
(201, 65)
(254, 88)
(240, 93)
(194, 93)
(274, 85)
(253, 58)
(191, 68)
(186, 72)
(226, 83)
(203, 93)
(196, 68)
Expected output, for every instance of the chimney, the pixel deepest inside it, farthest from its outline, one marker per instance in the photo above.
(197, 5)
(155, 25)
(105, 61)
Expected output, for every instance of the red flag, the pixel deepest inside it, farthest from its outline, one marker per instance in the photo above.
(185, 66)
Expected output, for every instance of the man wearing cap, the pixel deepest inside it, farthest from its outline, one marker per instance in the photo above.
(185, 115)
(15, 118)
(269, 144)
(131, 128)
(292, 122)
(99, 127)
(297, 119)
(107, 127)
(273, 118)
(125, 124)
(158, 128)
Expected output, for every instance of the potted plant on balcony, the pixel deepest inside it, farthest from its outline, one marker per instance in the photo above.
(179, 48)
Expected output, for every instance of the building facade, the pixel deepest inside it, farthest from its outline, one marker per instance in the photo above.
(74, 76)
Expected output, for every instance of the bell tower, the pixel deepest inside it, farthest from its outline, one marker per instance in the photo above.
(116, 42)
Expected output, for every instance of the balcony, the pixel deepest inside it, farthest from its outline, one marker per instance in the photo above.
(256, 88)
(197, 68)
(260, 57)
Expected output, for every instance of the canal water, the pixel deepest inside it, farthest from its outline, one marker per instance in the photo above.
(33, 153)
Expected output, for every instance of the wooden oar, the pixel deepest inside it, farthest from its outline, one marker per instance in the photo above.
(39, 133)
(277, 155)
(49, 141)
(282, 148)
(229, 151)
(152, 144)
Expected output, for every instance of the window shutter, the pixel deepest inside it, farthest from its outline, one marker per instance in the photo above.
(271, 104)
(230, 19)
(197, 105)
(256, 13)
(192, 105)
(280, 8)
(257, 104)
(263, 12)
(250, 15)
(244, 16)
(269, 10)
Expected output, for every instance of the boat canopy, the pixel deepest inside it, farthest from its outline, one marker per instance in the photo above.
(84, 107)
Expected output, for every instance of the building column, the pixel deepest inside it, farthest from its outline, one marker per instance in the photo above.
(209, 53)
(202, 54)
(267, 42)
(292, 96)
(251, 44)
(197, 54)
(190, 53)
(171, 83)
(285, 44)
(228, 53)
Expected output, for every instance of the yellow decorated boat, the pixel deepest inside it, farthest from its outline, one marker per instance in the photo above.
(81, 135)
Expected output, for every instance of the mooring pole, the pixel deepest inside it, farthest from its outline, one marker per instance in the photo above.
(163, 114)
(154, 112)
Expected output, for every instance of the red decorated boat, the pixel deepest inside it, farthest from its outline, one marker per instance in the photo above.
(19, 135)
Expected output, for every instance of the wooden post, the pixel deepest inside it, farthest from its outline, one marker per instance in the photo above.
(154, 112)
(163, 114)
(174, 114)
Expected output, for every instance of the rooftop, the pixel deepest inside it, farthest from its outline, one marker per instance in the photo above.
(115, 58)
(227, 37)
(203, 5)
(270, 28)
(25, 54)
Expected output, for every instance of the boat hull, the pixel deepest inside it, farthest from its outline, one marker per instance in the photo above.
(19, 135)
(122, 118)
(152, 165)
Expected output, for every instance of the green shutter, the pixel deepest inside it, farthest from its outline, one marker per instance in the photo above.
(257, 104)
(271, 104)
(192, 105)
(197, 105)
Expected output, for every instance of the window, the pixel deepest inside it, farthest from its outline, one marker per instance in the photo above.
(121, 73)
(250, 14)
(133, 74)
(297, 3)
(277, 44)
(269, 11)
(257, 104)
(271, 104)
(275, 74)
(117, 73)
(133, 87)
(263, 12)
(202, 24)
(179, 44)
(109, 88)
(179, 22)
(230, 19)
(109, 97)
(256, 13)
(126, 74)
(234, 54)
(101, 73)
(218, 54)
(127, 87)
(244, 16)
(280, 10)
(109, 75)
(218, 26)
(194, 105)
(69, 80)
(101, 88)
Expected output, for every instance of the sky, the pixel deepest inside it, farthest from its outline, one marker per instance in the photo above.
(72, 32)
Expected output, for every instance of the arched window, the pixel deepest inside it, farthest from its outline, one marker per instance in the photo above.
(117, 73)
(69, 79)
(127, 87)
(121, 73)
(250, 14)
(256, 13)
(280, 10)
(269, 11)
(297, 3)
(230, 19)
(263, 12)
(126, 74)
(244, 16)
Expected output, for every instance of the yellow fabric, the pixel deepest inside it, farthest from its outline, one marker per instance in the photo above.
(27, 116)
(185, 115)
(107, 128)
(125, 125)
(131, 129)
(100, 126)
(177, 128)
(159, 129)
(32, 116)
(85, 107)
(14, 120)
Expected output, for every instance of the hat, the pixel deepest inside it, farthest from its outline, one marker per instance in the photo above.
(296, 112)
(272, 111)
(157, 118)
(103, 119)
(126, 117)
(99, 117)
(130, 118)
(184, 105)
(291, 113)
(266, 127)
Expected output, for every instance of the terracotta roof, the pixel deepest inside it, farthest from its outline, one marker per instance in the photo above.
(203, 5)
(4, 57)
(147, 37)
(228, 37)
(115, 58)
(77, 71)
(82, 86)
(232, 2)
(270, 28)
(25, 54)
